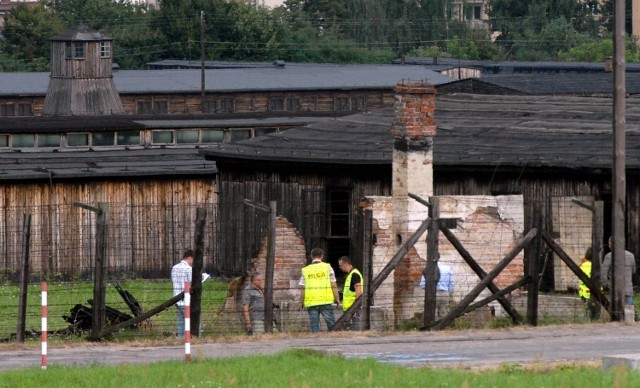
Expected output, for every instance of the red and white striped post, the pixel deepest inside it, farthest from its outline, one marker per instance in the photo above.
(44, 326)
(187, 321)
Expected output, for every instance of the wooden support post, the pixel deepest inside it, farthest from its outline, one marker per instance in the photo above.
(270, 267)
(367, 247)
(24, 278)
(534, 254)
(271, 258)
(597, 254)
(99, 284)
(595, 292)
(466, 256)
(196, 273)
(430, 271)
(466, 301)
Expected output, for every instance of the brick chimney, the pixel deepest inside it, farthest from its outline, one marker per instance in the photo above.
(413, 130)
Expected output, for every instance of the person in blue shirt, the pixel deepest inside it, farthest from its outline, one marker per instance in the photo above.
(444, 289)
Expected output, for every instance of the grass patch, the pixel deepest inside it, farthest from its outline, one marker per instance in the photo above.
(63, 296)
(307, 368)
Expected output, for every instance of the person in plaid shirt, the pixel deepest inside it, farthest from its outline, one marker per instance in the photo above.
(180, 274)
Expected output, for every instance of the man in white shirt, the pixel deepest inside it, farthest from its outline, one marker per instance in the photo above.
(180, 274)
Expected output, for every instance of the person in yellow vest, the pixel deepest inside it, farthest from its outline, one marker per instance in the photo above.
(319, 290)
(352, 290)
(583, 291)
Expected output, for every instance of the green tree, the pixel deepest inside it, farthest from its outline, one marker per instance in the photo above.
(26, 35)
(539, 29)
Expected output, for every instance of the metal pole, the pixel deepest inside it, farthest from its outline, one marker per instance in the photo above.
(619, 176)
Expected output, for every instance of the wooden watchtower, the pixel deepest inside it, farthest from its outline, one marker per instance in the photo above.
(81, 81)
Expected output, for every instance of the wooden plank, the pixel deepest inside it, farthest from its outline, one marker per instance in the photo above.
(466, 301)
(431, 269)
(595, 292)
(473, 264)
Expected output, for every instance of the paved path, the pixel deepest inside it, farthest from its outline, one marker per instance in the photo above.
(478, 348)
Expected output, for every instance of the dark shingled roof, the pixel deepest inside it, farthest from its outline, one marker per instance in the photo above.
(563, 84)
(473, 131)
(123, 163)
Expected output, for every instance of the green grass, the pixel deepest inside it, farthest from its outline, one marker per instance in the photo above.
(306, 368)
(63, 296)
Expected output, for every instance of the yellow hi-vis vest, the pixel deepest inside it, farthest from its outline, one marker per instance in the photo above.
(583, 290)
(348, 296)
(317, 288)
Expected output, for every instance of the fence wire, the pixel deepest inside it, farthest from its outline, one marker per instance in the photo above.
(144, 242)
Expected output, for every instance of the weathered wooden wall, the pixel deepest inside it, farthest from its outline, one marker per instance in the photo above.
(150, 223)
(312, 101)
(301, 196)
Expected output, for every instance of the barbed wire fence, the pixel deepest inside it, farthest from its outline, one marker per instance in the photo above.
(144, 241)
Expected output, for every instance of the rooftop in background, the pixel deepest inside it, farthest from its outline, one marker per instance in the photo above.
(254, 77)
(513, 67)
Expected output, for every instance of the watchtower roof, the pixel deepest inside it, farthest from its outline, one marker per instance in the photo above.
(81, 33)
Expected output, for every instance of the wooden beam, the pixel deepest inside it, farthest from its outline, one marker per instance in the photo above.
(382, 276)
(430, 270)
(196, 278)
(515, 317)
(139, 318)
(597, 253)
(466, 301)
(99, 284)
(595, 292)
(520, 283)
(24, 278)
(270, 267)
(532, 267)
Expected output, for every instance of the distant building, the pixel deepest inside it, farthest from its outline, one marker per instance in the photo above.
(7, 5)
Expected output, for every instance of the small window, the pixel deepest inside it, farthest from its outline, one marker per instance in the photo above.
(212, 136)
(264, 131)
(78, 50)
(7, 110)
(48, 140)
(4, 141)
(293, 104)
(143, 107)
(209, 106)
(100, 139)
(105, 49)
(160, 107)
(276, 104)
(187, 136)
(68, 50)
(129, 138)
(162, 137)
(77, 139)
(339, 213)
(477, 10)
(358, 103)
(226, 105)
(342, 103)
(23, 141)
(240, 134)
(25, 109)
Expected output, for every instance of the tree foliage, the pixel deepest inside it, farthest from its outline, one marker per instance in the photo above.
(306, 30)
(26, 36)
